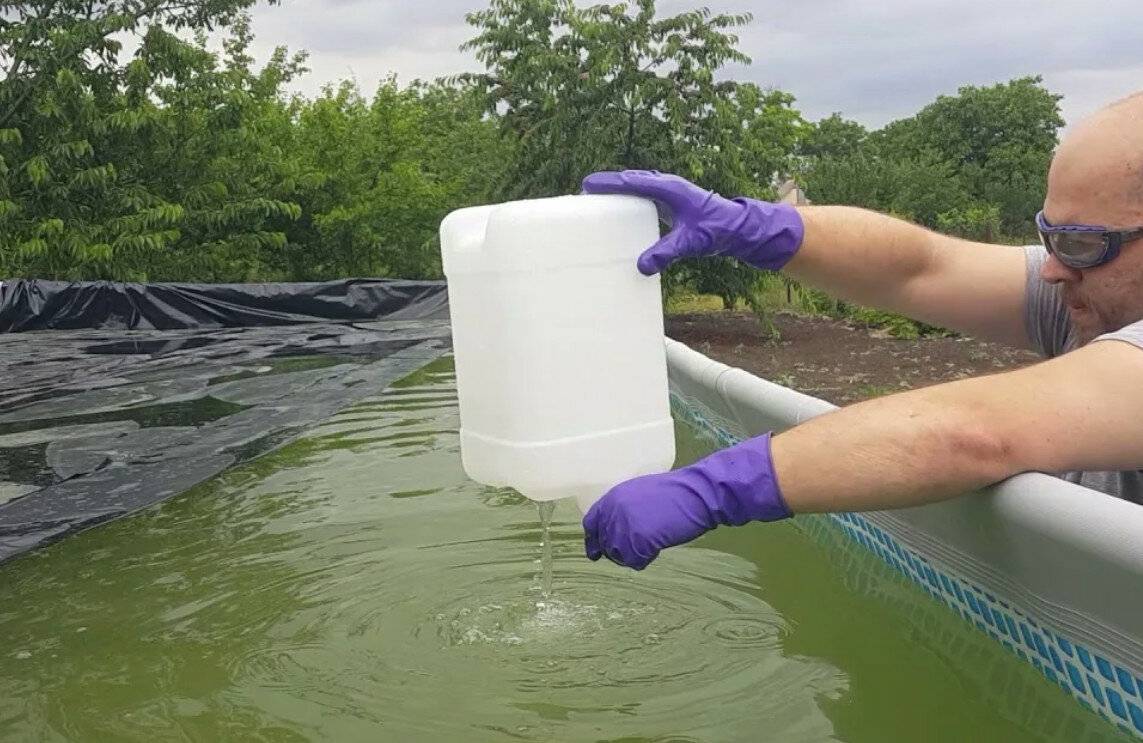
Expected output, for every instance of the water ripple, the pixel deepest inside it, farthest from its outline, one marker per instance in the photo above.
(355, 585)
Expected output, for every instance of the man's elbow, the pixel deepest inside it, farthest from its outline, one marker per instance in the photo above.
(983, 452)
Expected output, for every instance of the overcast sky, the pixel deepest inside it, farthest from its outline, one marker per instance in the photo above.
(872, 61)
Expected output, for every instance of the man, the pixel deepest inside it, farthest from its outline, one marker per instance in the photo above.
(1078, 300)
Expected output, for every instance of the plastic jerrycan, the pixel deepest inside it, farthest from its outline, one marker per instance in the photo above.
(559, 346)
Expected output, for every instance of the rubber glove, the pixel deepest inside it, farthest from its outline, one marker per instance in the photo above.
(761, 234)
(637, 519)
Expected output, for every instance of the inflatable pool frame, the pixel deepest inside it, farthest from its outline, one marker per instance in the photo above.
(1046, 568)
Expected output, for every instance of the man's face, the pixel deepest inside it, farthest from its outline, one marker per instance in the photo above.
(1094, 181)
(1102, 299)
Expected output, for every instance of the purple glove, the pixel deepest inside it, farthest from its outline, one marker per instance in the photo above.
(761, 234)
(639, 518)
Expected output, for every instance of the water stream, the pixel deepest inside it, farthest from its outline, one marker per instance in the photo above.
(547, 559)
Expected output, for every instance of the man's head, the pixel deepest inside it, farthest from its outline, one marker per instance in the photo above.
(1097, 179)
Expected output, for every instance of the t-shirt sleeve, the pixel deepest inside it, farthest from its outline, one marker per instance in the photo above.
(1045, 316)
(1132, 334)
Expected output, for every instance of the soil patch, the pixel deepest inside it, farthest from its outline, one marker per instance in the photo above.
(837, 360)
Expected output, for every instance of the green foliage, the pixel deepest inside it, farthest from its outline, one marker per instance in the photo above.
(914, 189)
(157, 168)
(617, 87)
(971, 165)
(896, 325)
(376, 178)
(977, 124)
(70, 207)
(975, 222)
(866, 391)
(974, 163)
(773, 292)
(609, 86)
(999, 138)
(183, 162)
(832, 137)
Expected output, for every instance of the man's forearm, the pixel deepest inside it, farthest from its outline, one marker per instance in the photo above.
(861, 256)
(904, 450)
(878, 261)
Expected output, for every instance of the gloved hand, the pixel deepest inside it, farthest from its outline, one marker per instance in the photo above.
(761, 234)
(639, 518)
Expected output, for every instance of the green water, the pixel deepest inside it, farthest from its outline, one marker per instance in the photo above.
(354, 586)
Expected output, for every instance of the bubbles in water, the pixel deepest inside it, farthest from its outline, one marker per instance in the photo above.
(744, 631)
(604, 628)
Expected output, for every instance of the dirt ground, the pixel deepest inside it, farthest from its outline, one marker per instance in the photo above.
(835, 360)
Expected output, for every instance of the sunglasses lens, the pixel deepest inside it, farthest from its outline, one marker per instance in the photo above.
(1077, 249)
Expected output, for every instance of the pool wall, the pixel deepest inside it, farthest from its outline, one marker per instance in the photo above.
(1048, 569)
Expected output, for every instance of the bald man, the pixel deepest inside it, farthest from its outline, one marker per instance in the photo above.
(1077, 299)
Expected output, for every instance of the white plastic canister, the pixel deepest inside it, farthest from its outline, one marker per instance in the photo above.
(558, 341)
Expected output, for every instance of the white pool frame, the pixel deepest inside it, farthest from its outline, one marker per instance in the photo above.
(1050, 570)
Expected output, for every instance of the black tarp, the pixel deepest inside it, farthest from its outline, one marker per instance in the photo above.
(99, 421)
(58, 305)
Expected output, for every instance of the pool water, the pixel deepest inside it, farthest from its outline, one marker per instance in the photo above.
(354, 585)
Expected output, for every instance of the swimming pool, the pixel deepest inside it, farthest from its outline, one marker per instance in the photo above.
(1046, 569)
(353, 585)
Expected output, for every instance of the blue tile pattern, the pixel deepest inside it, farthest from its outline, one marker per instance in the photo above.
(1098, 683)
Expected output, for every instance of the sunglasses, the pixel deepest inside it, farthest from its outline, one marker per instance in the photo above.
(1083, 246)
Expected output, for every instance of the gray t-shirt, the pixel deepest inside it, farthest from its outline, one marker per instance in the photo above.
(1051, 333)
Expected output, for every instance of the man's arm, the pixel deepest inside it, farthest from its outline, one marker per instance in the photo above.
(853, 254)
(879, 261)
(1080, 411)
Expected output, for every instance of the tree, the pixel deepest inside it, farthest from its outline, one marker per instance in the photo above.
(137, 170)
(180, 163)
(975, 222)
(977, 160)
(616, 87)
(832, 137)
(914, 189)
(218, 149)
(377, 177)
(999, 140)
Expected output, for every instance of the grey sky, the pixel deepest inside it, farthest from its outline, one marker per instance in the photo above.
(873, 62)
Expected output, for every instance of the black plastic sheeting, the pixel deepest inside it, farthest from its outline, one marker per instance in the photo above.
(98, 423)
(57, 305)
